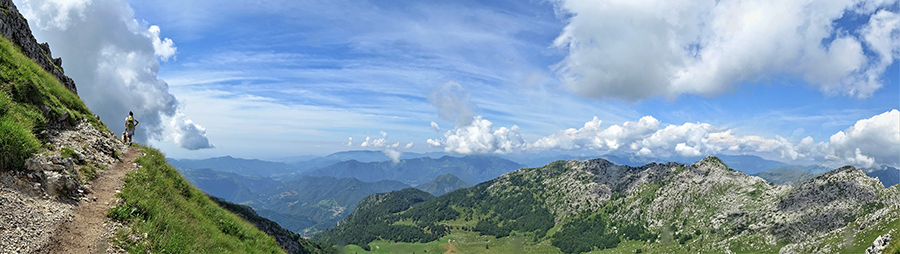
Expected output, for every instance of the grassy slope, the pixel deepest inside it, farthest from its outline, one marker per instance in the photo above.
(24, 87)
(177, 217)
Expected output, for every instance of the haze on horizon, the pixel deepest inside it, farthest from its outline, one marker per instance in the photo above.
(796, 81)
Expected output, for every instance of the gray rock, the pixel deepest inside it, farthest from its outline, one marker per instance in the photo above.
(879, 244)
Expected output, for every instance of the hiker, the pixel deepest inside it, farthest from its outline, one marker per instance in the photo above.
(130, 123)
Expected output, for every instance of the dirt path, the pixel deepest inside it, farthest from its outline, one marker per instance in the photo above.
(451, 248)
(85, 233)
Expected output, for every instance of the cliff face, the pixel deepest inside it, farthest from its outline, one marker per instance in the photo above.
(14, 27)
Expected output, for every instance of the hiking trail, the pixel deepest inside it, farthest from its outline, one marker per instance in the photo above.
(88, 231)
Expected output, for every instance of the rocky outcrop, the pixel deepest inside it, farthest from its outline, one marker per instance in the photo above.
(14, 27)
(879, 244)
(61, 172)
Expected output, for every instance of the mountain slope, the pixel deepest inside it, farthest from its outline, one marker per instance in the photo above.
(705, 207)
(324, 200)
(176, 217)
(362, 226)
(443, 184)
(471, 169)
(289, 241)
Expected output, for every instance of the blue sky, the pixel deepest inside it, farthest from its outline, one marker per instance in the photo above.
(270, 79)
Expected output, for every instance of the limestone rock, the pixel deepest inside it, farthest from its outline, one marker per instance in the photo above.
(879, 244)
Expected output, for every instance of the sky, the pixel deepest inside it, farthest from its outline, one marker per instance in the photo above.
(802, 82)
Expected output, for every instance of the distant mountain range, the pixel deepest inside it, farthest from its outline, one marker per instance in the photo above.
(786, 176)
(793, 175)
(231, 186)
(888, 175)
(471, 169)
(247, 167)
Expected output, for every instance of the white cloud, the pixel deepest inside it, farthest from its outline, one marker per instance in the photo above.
(409, 145)
(638, 49)
(480, 137)
(58, 13)
(689, 139)
(591, 136)
(869, 142)
(350, 143)
(380, 142)
(435, 127)
(452, 102)
(393, 154)
(435, 142)
(387, 148)
(113, 59)
(163, 48)
(187, 134)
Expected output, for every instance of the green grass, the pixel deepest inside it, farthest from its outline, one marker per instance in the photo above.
(89, 172)
(177, 217)
(460, 242)
(894, 246)
(24, 88)
(67, 152)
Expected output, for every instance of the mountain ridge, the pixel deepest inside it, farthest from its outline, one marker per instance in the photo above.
(656, 202)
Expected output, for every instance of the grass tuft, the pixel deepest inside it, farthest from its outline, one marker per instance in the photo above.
(67, 152)
(178, 218)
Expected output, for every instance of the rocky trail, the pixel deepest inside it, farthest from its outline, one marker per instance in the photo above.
(89, 229)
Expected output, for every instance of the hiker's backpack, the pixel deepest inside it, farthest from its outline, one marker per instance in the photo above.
(129, 122)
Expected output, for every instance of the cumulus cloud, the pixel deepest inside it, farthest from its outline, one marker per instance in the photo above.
(868, 143)
(591, 136)
(349, 143)
(435, 142)
(638, 49)
(114, 60)
(163, 48)
(452, 102)
(380, 142)
(389, 149)
(479, 136)
(187, 134)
